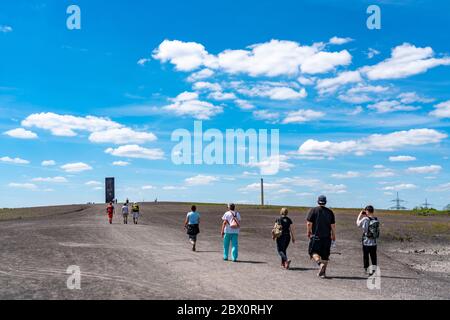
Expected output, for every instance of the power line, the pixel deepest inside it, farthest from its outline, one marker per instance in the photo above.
(398, 204)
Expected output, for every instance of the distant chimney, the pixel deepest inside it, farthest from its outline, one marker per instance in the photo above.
(262, 192)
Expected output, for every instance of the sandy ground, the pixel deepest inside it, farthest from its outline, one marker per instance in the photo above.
(153, 260)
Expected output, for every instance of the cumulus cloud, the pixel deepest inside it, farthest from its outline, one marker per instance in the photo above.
(188, 104)
(14, 160)
(76, 167)
(135, 151)
(372, 53)
(301, 116)
(412, 97)
(400, 187)
(21, 133)
(442, 110)
(346, 175)
(339, 41)
(391, 106)
(67, 125)
(315, 184)
(273, 58)
(402, 158)
(122, 136)
(375, 142)
(244, 105)
(266, 115)
(93, 183)
(148, 187)
(200, 75)
(201, 180)
(332, 84)
(432, 169)
(120, 163)
(48, 163)
(406, 60)
(143, 61)
(273, 90)
(271, 165)
(440, 188)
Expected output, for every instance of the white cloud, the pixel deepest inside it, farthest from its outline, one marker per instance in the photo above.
(201, 180)
(391, 106)
(356, 111)
(347, 175)
(442, 110)
(244, 105)
(412, 97)
(200, 75)
(135, 151)
(273, 58)
(186, 56)
(14, 160)
(28, 186)
(67, 125)
(188, 104)
(400, 187)
(120, 163)
(266, 115)
(122, 136)
(332, 84)
(76, 167)
(48, 163)
(432, 169)
(372, 53)
(402, 158)
(170, 188)
(302, 116)
(203, 85)
(273, 91)
(306, 81)
(5, 29)
(367, 89)
(383, 173)
(93, 183)
(406, 60)
(257, 187)
(148, 187)
(221, 96)
(21, 133)
(143, 61)
(50, 180)
(271, 165)
(339, 41)
(375, 142)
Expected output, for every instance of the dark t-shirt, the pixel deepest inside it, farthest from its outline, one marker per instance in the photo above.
(324, 218)
(285, 224)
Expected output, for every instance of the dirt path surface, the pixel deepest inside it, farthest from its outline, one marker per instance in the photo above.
(153, 260)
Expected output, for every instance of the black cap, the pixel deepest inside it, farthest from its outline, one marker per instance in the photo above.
(322, 200)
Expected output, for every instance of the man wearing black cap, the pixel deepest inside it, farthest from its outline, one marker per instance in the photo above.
(321, 228)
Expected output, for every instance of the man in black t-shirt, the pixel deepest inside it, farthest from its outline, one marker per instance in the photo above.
(321, 229)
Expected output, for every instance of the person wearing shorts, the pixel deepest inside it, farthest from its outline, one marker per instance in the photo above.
(125, 213)
(135, 211)
(191, 223)
(321, 231)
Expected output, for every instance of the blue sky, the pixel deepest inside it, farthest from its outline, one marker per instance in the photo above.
(362, 113)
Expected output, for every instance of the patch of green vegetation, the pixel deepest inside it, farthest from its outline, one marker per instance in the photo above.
(421, 211)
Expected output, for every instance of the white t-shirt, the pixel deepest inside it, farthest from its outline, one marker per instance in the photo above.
(228, 216)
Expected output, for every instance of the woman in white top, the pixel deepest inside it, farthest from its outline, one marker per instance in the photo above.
(230, 232)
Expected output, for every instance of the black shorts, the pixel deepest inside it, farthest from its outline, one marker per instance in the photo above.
(193, 229)
(321, 247)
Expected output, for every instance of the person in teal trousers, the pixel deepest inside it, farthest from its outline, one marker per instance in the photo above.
(231, 224)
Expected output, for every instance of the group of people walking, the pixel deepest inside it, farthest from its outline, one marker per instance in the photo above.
(321, 232)
(125, 211)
